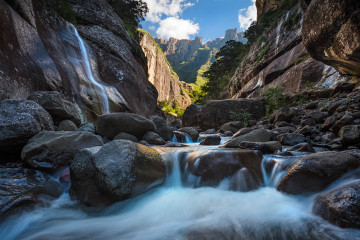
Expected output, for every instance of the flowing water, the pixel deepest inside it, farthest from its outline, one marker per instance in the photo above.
(180, 209)
(87, 66)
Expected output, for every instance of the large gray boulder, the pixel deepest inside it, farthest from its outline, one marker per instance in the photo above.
(19, 121)
(316, 171)
(258, 135)
(163, 129)
(153, 138)
(51, 150)
(264, 147)
(350, 135)
(118, 170)
(110, 125)
(190, 117)
(59, 108)
(291, 139)
(192, 132)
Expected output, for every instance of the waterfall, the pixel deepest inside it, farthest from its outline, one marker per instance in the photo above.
(86, 63)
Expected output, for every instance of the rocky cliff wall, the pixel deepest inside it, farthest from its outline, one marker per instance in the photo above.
(279, 58)
(160, 74)
(40, 51)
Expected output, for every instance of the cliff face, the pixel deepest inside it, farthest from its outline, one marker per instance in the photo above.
(161, 75)
(279, 58)
(263, 6)
(40, 51)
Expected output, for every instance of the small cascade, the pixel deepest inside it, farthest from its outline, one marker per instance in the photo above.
(188, 138)
(87, 66)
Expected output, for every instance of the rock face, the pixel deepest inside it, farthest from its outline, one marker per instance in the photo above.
(331, 34)
(191, 115)
(20, 188)
(280, 59)
(119, 170)
(40, 51)
(216, 113)
(110, 125)
(161, 75)
(19, 121)
(316, 171)
(340, 206)
(51, 150)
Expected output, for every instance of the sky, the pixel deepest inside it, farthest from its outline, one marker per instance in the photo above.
(186, 19)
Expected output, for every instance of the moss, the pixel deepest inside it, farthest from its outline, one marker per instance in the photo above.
(64, 9)
(301, 59)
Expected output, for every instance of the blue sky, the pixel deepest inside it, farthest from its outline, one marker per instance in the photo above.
(186, 19)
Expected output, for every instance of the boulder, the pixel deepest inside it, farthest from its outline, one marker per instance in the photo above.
(231, 126)
(51, 150)
(163, 129)
(118, 170)
(331, 34)
(264, 147)
(291, 139)
(316, 171)
(212, 139)
(191, 115)
(59, 108)
(308, 122)
(213, 166)
(350, 135)
(180, 136)
(347, 119)
(19, 121)
(329, 122)
(209, 131)
(21, 187)
(153, 138)
(242, 131)
(284, 114)
(110, 125)
(218, 112)
(340, 206)
(258, 135)
(67, 125)
(87, 127)
(192, 132)
(126, 136)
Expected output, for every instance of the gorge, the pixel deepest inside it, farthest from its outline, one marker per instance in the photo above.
(101, 137)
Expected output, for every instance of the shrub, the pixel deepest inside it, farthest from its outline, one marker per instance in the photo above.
(274, 99)
(241, 115)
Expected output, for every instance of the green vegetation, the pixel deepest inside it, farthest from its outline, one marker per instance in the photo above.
(65, 11)
(292, 21)
(171, 108)
(274, 100)
(262, 53)
(241, 115)
(309, 84)
(301, 59)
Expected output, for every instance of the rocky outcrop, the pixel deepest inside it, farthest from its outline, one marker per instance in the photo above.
(40, 51)
(331, 34)
(115, 172)
(264, 6)
(161, 75)
(218, 112)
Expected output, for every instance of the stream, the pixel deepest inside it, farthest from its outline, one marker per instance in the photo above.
(180, 209)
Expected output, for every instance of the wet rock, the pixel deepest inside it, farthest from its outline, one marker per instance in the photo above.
(163, 129)
(153, 138)
(243, 181)
(115, 172)
(242, 131)
(291, 139)
(211, 140)
(231, 126)
(302, 147)
(312, 105)
(180, 136)
(173, 144)
(176, 124)
(258, 135)
(50, 150)
(126, 136)
(21, 187)
(344, 87)
(67, 125)
(209, 131)
(87, 127)
(65, 176)
(305, 130)
(192, 132)
(145, 143)
(347, 119)
(350, 135)
(216, 113)
(316, 171)
(264, 147)
(59, 108)
(341, 205)
(213, 166)
(110, 125)
(228, 133)
(19, 121)
(191, 115)
(282, 130)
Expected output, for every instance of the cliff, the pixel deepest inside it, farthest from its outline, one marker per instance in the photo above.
(161, 75)
(279, 58)
(41, 51)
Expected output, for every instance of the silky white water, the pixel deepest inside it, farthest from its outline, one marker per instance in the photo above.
(86, 63)
(180, 211)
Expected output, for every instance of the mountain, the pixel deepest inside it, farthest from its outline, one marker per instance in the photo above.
(190, 58)
(161, 75)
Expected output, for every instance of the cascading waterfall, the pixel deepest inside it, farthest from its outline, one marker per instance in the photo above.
(181, 210)
(87, 65)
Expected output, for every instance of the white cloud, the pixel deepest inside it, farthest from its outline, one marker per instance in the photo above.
(170, 8)
(152, 28)
(247, 16)
(177, 28)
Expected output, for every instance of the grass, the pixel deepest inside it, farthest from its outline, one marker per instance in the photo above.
(302, 59)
